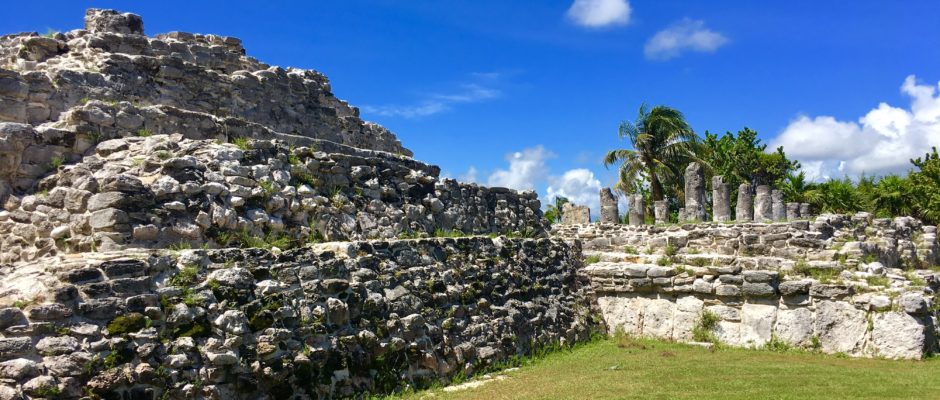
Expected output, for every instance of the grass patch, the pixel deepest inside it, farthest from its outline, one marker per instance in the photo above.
(592, 260)
(647, 369)
(823, 275)
(242, 143)
(630, 250)
(144, 132)
(878, 280)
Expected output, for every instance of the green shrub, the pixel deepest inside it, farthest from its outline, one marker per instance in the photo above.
(130, 322)
(592, 259)
(242, 143)
(703, 331)
(878, 280)
(630, 250)
(56, 162)
(664, 261)
(144, 132)
(187, 276)
(670, 250)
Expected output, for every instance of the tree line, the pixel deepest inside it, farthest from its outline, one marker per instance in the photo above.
(663, 144)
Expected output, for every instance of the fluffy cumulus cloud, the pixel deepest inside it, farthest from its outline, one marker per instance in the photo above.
(579, 186)
(599, 13)
(882, 141)
(683, 36)
(526, 169)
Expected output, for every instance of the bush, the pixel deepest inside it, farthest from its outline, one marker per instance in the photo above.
(702, 332)
(592, 260)
(130, 322)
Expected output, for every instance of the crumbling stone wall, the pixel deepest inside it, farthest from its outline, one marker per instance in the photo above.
(160, 191)
(43, 78)
(338, 319)
(857, 285)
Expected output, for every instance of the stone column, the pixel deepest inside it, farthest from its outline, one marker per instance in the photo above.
(778, 209)
(793, 211)
(694, 192)
(609, 212)
(763, 211)
(573, 214)
(804, 211)
(637, 212)
(744, 211)
(721, 200)
(661, 211)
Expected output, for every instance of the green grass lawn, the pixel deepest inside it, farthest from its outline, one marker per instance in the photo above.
(641, 369)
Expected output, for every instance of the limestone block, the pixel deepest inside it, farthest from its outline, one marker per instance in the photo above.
(763, 208)
(694, 193)
(897, 335)
(794, 326)
(573, 214)
(757, 323)
(658, 318)
(721, 200)
(661, 211)
(609, 210)
(840, 326)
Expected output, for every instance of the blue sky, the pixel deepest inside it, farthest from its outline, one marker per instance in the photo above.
(529, 94)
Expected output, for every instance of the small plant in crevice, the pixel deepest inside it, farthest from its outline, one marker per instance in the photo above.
(670, 250)
(704, 329)
(593, 259)
(664, 261)
(144, 132)
(777, 345)
(242, 143)
(56, 162)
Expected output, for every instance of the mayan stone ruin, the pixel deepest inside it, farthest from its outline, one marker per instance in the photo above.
(183, 221)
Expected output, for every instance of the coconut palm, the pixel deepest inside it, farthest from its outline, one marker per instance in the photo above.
(662, 146)
(555, 212)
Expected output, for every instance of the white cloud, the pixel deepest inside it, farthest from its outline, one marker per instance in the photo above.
(579, 186)
(599, 13)
(435, 103)
(469, 176)
(684, 35)
(882, 141)
(526, 169)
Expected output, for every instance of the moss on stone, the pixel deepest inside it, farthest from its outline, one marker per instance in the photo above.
(131, 322)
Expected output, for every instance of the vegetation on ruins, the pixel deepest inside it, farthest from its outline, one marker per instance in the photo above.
(555, 211)
(917, 194)
(663, 143)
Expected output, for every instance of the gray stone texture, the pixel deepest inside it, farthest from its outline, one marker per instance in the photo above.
(575, 214)
(778, 208)
(744, 210)
(609, 211)
(661, 211)
(763, 209)
(637, 212)
(793, 211)
(694, 192)
(721, 200)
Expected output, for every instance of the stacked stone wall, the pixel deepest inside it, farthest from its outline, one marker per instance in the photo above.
(857, 285)
(334, 320)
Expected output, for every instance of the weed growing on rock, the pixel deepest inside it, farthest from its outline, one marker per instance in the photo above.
(703, 331)
(592, 260)
(187, 276)
(664, 261)
(630, 250)
(242, 143)
(56, 162)
(130, 322)
(878, 280)
(144, 132)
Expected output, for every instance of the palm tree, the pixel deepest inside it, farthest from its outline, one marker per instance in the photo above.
(794, 187)
(662, 146)
(555, 212)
